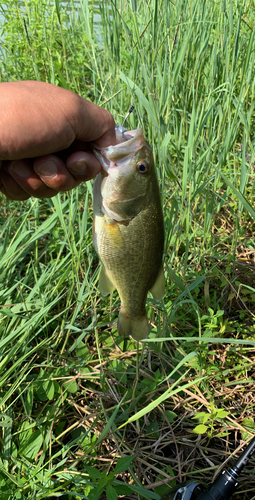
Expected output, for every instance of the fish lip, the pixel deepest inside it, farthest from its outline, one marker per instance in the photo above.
(132, 135)
(123, 142)
(105, 164)
(125, 147)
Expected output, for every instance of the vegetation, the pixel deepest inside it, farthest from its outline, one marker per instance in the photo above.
(81, 412)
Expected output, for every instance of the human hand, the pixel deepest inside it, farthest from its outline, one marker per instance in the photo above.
(45, 133)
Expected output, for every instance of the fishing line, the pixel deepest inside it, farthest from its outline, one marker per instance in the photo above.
(131, 109)
(122, 128)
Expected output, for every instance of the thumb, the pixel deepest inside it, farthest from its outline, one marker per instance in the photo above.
(93, 123)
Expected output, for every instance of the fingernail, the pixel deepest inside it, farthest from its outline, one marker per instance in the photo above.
(78, 167)
(20, 168)
(48, 169)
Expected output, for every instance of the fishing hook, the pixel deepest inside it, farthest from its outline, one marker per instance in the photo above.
(121, 128)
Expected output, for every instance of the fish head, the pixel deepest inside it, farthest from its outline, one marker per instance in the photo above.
(127, 176)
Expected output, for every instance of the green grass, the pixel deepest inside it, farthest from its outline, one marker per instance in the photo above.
(80, 412)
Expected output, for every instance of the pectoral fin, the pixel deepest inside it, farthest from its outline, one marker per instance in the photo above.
(105, 284)
(158, 289)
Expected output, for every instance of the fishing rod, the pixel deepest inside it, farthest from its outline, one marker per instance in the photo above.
(221, 489)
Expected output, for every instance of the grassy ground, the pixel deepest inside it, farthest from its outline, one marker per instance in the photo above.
(82, 414)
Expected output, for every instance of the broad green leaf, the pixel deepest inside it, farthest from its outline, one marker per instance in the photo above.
(248, 422)
(122, 489)
(202, 417)
(222, 413)
(123, 464)
(152, 429)
(71, 386)
(200, 429)
(5, 420)
(93, 472)
(170, 415)
(48, 387)
(111, 493)
(26, 430)
(31, 446)
(82, 350)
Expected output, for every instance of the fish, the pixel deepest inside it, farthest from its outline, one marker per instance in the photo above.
(128, 228)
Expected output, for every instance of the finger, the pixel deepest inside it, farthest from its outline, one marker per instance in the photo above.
(47, 175)
(107, 139)
(30, 184)
(92, 123)
(11, 188)
(83, 165)
(43, 178)
(53, 172)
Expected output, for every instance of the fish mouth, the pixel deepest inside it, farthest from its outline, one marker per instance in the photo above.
(124, 135)
(128, 143)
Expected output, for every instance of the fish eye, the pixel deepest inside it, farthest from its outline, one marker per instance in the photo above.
(142, 167)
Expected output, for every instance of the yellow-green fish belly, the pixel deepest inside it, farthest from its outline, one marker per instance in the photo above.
(131, 253)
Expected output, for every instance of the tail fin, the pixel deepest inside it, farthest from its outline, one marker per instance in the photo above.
(138, 328)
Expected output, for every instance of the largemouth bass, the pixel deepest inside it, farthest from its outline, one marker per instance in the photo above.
(128, 228)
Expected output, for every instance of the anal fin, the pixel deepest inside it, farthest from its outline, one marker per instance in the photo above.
(158, 289)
